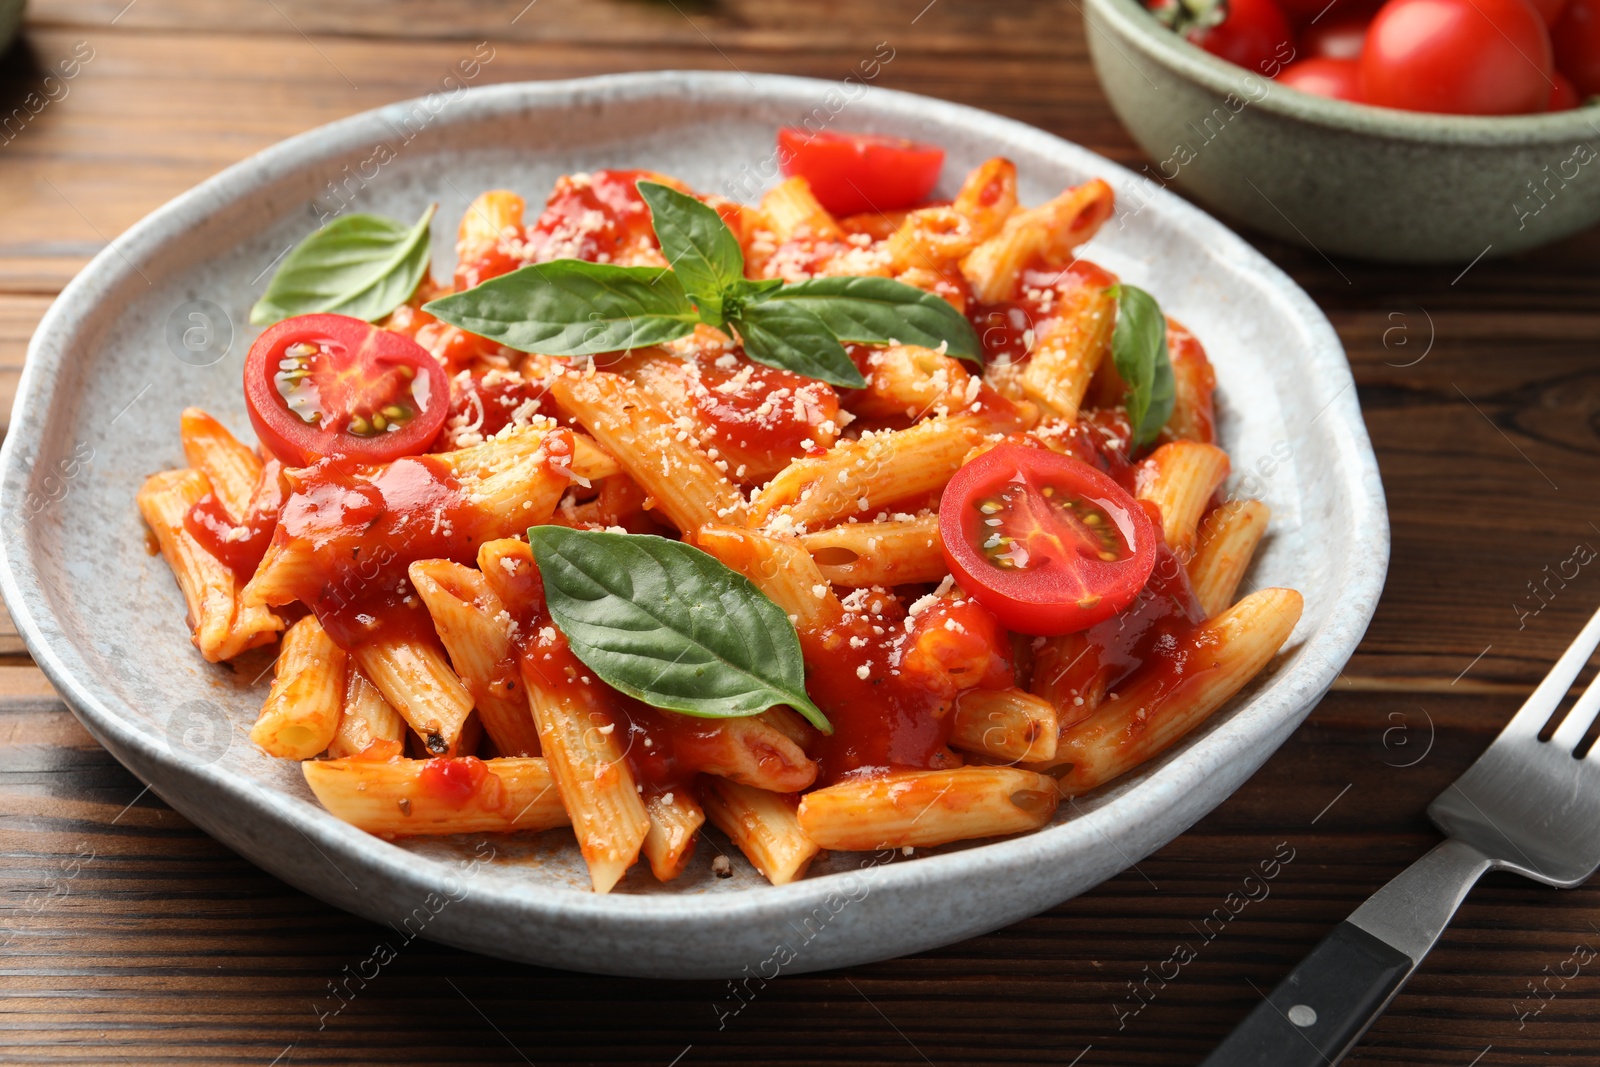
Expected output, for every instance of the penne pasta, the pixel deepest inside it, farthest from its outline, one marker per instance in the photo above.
(1227, 540)
(763, 825)
(858, 476)
(1005, 724)
(367, 719)
(231, 469)
(1155, 708)
(791, 210)
(684, 483)
(414, 676)
(1068, 350)
(750, 751)
(781, 568)
(301, 716)
(937, 237)
(1050, 232)
(907, 809)
(675, 820)
(404, 797)
(476, 630)
(222, 623)
(898, 552)
(491, 218)
(1180, 479)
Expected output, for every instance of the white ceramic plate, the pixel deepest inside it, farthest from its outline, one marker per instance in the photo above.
(112, 366)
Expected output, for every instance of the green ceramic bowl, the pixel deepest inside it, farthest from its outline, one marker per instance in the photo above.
(1342, 178)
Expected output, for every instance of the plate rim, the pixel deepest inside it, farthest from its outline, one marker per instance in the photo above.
(1294, 692)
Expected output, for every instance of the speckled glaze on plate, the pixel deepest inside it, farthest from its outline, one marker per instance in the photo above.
(140, 334)
(1339, 177)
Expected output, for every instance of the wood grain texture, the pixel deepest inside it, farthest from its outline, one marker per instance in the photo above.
(127, 936)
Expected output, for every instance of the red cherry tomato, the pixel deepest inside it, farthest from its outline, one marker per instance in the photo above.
(1459, 57)
(1550, 10)
(323, 385)
(1577, 42)
(1255, 34)
(1047, 543)
(855, 172)
(1336, 78)
(1338, 37)
(1564, 97)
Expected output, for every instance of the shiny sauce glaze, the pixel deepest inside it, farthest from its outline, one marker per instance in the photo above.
(1008, 328)
(481, 405)
(239, 546)
(887, 681)
(759, 418)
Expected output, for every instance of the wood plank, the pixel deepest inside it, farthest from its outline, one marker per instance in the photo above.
(134, 932)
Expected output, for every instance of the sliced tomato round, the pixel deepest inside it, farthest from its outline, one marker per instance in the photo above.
(332, 385)
(1046, 542)
(850, 173)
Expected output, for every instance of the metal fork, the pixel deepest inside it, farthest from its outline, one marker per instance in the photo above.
(1527, 805)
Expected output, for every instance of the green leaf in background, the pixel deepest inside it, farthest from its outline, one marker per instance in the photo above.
(359, 265)
(670, 625)
(700, 249)
(878, 310)
(781, 334)
(1139, 350)
(570, 307)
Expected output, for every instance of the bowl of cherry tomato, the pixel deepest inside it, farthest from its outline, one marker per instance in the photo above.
(1413, 131)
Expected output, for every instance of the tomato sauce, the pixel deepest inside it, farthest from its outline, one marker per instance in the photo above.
(239, 546)
(760, 418)
(481, 405)
(1007, 329)
(594, 217)
(889, 691)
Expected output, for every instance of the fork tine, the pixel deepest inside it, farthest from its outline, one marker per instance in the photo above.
(1539, 706)
(1578, 720)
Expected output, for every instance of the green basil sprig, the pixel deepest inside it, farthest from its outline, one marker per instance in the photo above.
(670, 625)
(800, 327)
(1139, 350)
(364, 266)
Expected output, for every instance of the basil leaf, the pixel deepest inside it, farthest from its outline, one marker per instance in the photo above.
(781, 334)
(670, 625)
(570, 307)
(878, 310)
(364, 266)
(700, 249)
(1139, 350)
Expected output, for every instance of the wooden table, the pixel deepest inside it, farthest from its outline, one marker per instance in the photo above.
(134, 938)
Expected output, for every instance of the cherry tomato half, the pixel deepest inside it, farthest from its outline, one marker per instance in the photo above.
(854, 172)
(1046, 542)
(322, 385)
(1458, 57)
(1254, 34)
(1577, 41)
(1336, 78)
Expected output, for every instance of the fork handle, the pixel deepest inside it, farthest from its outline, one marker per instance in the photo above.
(1317, 1014)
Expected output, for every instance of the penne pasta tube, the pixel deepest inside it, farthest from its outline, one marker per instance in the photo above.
(406, 797)
(781, 568)
(1005, 724)
(414, 676)
(1050, 232)
(899, 552)
(367, 718)
(686, 486)
(1154, 708)
(935, 237)
(908, 382)
(791, 210)
(1227, 540)
(1194, 384)
(675, 820)
(877, 469)
(221, 622)
(752, 752)
(1180, 478)
(301, 715)
(907, 809)
(477, 630)
(1068, 351)
(231, 468)
(492, 217)
(1072, 680)
(763, 825)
